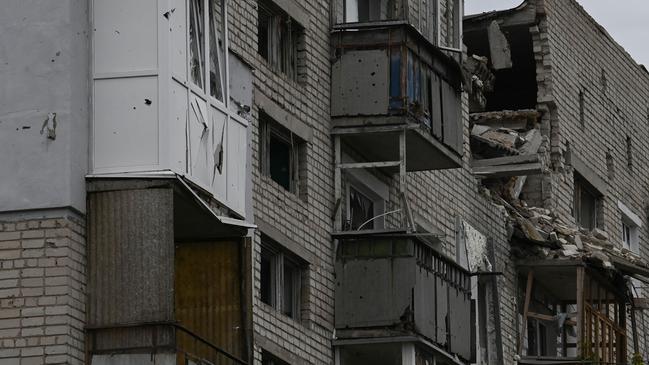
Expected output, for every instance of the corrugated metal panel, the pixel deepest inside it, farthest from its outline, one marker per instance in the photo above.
(131, 250)
(209, 298)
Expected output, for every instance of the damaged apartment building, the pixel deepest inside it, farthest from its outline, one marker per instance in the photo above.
(326, 182)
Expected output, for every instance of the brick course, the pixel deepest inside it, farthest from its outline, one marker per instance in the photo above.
(42, 291)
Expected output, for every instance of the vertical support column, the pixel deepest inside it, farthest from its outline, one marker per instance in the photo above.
(526, 307)
(408, 354)
(337, 184)
(580, 311)
(408, 221)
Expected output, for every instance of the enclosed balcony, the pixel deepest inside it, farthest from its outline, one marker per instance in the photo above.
(169, 281)
(394, 288)
(388, 79)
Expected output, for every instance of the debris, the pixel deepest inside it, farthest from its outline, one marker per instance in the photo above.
(147, 101)
(501, 54)
(599, 234)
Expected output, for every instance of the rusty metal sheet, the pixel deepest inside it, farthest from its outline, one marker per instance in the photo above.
(208, 298)
(460, 322)
(360, 83)
(130, 254)
(130, 261)
(453, 127)
(436, 112)
(442, 310)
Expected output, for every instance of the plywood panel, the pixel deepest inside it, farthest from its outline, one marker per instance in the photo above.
(208, 297)
(125, 126)
(442, 310)
(125, 35)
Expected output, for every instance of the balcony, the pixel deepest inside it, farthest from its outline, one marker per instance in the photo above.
(388, 80)
(394, 287)
(168, 277)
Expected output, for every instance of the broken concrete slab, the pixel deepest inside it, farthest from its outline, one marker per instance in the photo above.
(501, 54)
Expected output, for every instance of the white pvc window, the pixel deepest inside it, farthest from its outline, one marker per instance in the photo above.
(630, 226)
(207, 46)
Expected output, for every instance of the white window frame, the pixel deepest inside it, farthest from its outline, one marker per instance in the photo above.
(278, 258)
(204, 92)
(632, 222)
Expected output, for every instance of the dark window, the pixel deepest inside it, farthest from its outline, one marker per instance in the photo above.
(586, 201)
(268, 359)
(361, 210)
(280, 38)
(629, 152)
(281, 278)
(281, 154)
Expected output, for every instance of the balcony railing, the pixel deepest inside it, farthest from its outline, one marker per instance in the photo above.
(389, 74)
(394, 285)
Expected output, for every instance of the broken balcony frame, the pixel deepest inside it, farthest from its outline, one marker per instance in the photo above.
(413, 125)
(599, 319)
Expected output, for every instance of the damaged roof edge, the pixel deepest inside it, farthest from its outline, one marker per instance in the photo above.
(524, 14)
(496, 13)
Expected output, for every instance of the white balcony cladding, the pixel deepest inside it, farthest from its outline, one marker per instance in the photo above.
(161, 95)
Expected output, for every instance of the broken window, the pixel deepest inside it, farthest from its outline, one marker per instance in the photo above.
(280, 39)
(586, 201)
(365, 206)
(282, 153)
(215, 70)
(281, 278)
(268, 359)
(196, 42)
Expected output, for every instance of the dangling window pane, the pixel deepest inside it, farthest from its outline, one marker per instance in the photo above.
(216, 49)
(196, 42)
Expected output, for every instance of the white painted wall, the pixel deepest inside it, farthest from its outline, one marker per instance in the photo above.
(44, 59)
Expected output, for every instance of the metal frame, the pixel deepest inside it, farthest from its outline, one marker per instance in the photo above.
(408, 222)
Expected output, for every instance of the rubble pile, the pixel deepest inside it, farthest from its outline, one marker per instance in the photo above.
(544, 235)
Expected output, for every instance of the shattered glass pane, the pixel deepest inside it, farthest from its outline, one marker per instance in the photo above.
(196, 43)
(361, 209)
(216, 49)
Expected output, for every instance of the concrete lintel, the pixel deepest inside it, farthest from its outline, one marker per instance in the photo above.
(292, 8)
(628, 214)
(278, 350)
(588, 174)
(278, 236)
(286, 119)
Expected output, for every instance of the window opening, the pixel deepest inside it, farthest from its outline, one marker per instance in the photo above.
(361, 209)
(196, 42)
(268, 359)
(279, 38)
(586, 201)
(281, 279)
(216, 49)
(280, 153)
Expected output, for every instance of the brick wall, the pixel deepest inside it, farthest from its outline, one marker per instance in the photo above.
(580, 56)
(42, 290)
(439, 197)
